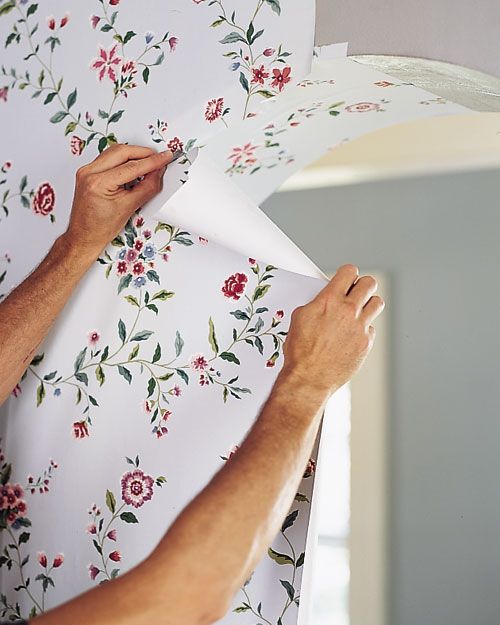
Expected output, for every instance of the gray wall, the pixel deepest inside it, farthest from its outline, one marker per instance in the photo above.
(465, 32)
(438, 240)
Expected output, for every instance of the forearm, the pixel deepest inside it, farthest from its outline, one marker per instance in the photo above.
(27, 314)
(217, 541)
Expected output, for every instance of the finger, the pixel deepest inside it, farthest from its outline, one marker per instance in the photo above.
(372, 310)
(117, 155)
(131, 170)
(150, 186)
(362, 290)
(341, 282)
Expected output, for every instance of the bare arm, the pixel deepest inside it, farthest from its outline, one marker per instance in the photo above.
(216, 542)
(101, 208)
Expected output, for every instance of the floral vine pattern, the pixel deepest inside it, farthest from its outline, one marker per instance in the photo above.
(290, 558)
(268, 153)
(15, 523)
(41, 200)
(136, 488)
(135, 351)
(114, 65)
(4, 262)
(261, 72)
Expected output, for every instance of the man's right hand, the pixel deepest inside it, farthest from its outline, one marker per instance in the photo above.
(330, 337)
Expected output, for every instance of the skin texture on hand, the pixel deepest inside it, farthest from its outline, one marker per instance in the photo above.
(217, 540)
(101, 208)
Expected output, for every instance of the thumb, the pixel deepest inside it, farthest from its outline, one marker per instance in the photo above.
(145, 190)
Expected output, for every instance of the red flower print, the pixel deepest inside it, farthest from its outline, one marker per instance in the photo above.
(44, 200)
(106, 63)
(111, 535)
(42, 559)
(148, 406)
(269, 51)
(362, 107)
(166, 415)
(80, 429)
(114, 2)
(245, 154)
(175, 144)
(94, 20)
(115, 556)
(176, 391)
(91, 529)
(251, 261)
(270, 363)
(121, 268)
(214, 109)
(76, 145)
(160, 431)
(259, 74)
(64, 20)
(148, 234)
(198, 362)
(280, 78)
(234, 286)
(51, 22)
(384, 83)
(311, 468)
(93, 337)
(204, 381)
(3, 93)
(137, 488)
(5, 167)
(139, 222)
(58, 560)
(172, 42)
(16, 391)
(93, 571)
(138, 244)
(279, 314)
(138, 268)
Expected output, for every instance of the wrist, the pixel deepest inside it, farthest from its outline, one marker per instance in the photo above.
(301, 389)
(74, 252)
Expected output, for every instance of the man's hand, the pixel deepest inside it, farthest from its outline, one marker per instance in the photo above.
(101, 208)
(330, 337)
(101, 204)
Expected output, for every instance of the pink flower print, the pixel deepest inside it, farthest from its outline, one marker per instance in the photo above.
(131, 256)
(362, 107)
(42, 559)
(270, 363)
(138, 244)
(121, 268)
(259, 75)
(91, 529)
(93, 337)
(279, 314)
(58, 560)
(129, 69)
(214, 109)
(148, 234)
(176, 391)
(64, 20)
(137, 488)
(111, 535)
(251, 261)
(148, 406)
(172, 42)
(383, 83)
(198, 1)
(204, 381)
(175, 145)
(106, 63)
(233, 451)
(234, 286)
(76, 145)
(115, 556)
(139, 222)
(203, 241)
(51, 22)
(3, 93)
(166, 415)
(138, 268)
(93, 571)
(160, 431)
(80, 429)
(198, 362)
(94, 20)
(5, 167)
(269, 51)
(244, 154)
(280, 78)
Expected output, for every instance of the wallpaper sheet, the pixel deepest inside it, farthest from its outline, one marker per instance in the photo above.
(162, 359)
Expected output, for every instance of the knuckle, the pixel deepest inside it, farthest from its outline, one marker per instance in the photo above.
(81, 172)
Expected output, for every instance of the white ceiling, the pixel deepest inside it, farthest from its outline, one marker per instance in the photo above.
(464, 32)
